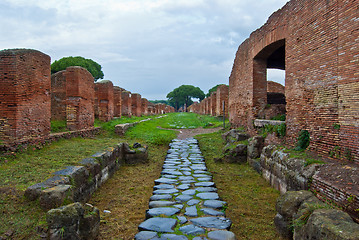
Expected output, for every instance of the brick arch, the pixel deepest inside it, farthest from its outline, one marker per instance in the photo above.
(321, 56)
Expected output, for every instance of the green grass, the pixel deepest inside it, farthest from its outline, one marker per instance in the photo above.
(251, 200)
(301, 154)
(190, 120)
(58, 126)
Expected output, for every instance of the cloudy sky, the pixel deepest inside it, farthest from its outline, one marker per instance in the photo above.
(145, 46)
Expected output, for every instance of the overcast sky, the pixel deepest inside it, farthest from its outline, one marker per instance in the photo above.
(145, 46)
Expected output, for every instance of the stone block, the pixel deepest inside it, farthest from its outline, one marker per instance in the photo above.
(34, 191)
(78, 175)
(55, 196)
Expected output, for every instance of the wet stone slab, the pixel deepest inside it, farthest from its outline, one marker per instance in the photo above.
(185, 198)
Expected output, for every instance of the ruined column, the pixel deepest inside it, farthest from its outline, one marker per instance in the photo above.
(126, 103)
(213, 103)
(222, 96)
(80, 90)
(136, 104)
(104, 100)
(144, 105)
(25, 99)
(117, 100)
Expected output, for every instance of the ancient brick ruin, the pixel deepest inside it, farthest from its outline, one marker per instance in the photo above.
(117, 99)
(72, 98)
(222, 98)
(24, 95)
(104, 100)
(136, 104)
(30, 98)
(316, 43)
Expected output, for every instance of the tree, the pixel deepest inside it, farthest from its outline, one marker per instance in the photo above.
(159, 101)
(93, 67)
(213, 90)
(183, 96)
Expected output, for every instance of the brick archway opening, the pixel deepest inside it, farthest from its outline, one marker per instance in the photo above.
(268, 96)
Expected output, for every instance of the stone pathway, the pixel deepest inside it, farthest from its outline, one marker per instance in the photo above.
(185, 203)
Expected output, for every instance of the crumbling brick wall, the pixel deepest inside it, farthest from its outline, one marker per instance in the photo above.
(136, 104)
(117, 102)
(213, 103)
(80, 91)
(222, 96)
(319, 41)
(144, 106)
(25, 99)
(126, 103)
(58, 96)
(104, 104)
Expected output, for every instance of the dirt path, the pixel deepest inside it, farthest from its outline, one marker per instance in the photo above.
(188, 133)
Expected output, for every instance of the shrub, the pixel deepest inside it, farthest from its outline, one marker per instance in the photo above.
(303, 140)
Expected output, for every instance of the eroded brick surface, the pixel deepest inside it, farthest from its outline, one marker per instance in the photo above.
(126, 103)
(136, 104)
(117, 101)
(25, 101)
(104, 104)
(319, 39)
(222, 98)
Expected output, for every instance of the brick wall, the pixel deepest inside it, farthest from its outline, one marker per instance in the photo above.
(213, 103)
(126, 103)
(104, 100)
(136, 104)
(80, 98)
(25, 99)
(222, 96)
(274, 87)
(321, 58)
(117, 102)
(58, 96)
(144, 106)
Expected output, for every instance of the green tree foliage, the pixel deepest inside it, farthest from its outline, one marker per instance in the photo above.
(93, 67)
(214, 89)
(183, 95)
(159, 101)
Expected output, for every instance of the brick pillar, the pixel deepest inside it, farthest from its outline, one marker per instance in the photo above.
(80, 90)
(144, 109)
(213, 103)
(117, 102)
(222, 96)
(136, 104)
(126, 103)
(25, 98)
(58, 96)
(104, 100)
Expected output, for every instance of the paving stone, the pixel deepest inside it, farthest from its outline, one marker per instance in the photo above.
(172, 237)
(192, 230)
(168, 211)
(208, 196)
(189, 192)
(211, 211)
(199, 238)
(183, 198)
(182, 219)
(163, 186)
(198, 167)
(221, 235)
(145, 235)
(204, 179)
(200, 175)
(185, 178)
(188, 181)
(165, 191)
(171, 172)
(214, 204)
(185, 169)
(191, 211)
(165, 180)
(156, 204)
(183, 187)
(158, 197)
(206, 189)
(158, 224)
(193, 202)
(179, 206)
(187, 173)
(201, 172)
(212, 222)
(204, 184)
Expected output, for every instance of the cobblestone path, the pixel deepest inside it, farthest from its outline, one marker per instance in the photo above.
(185, 203)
